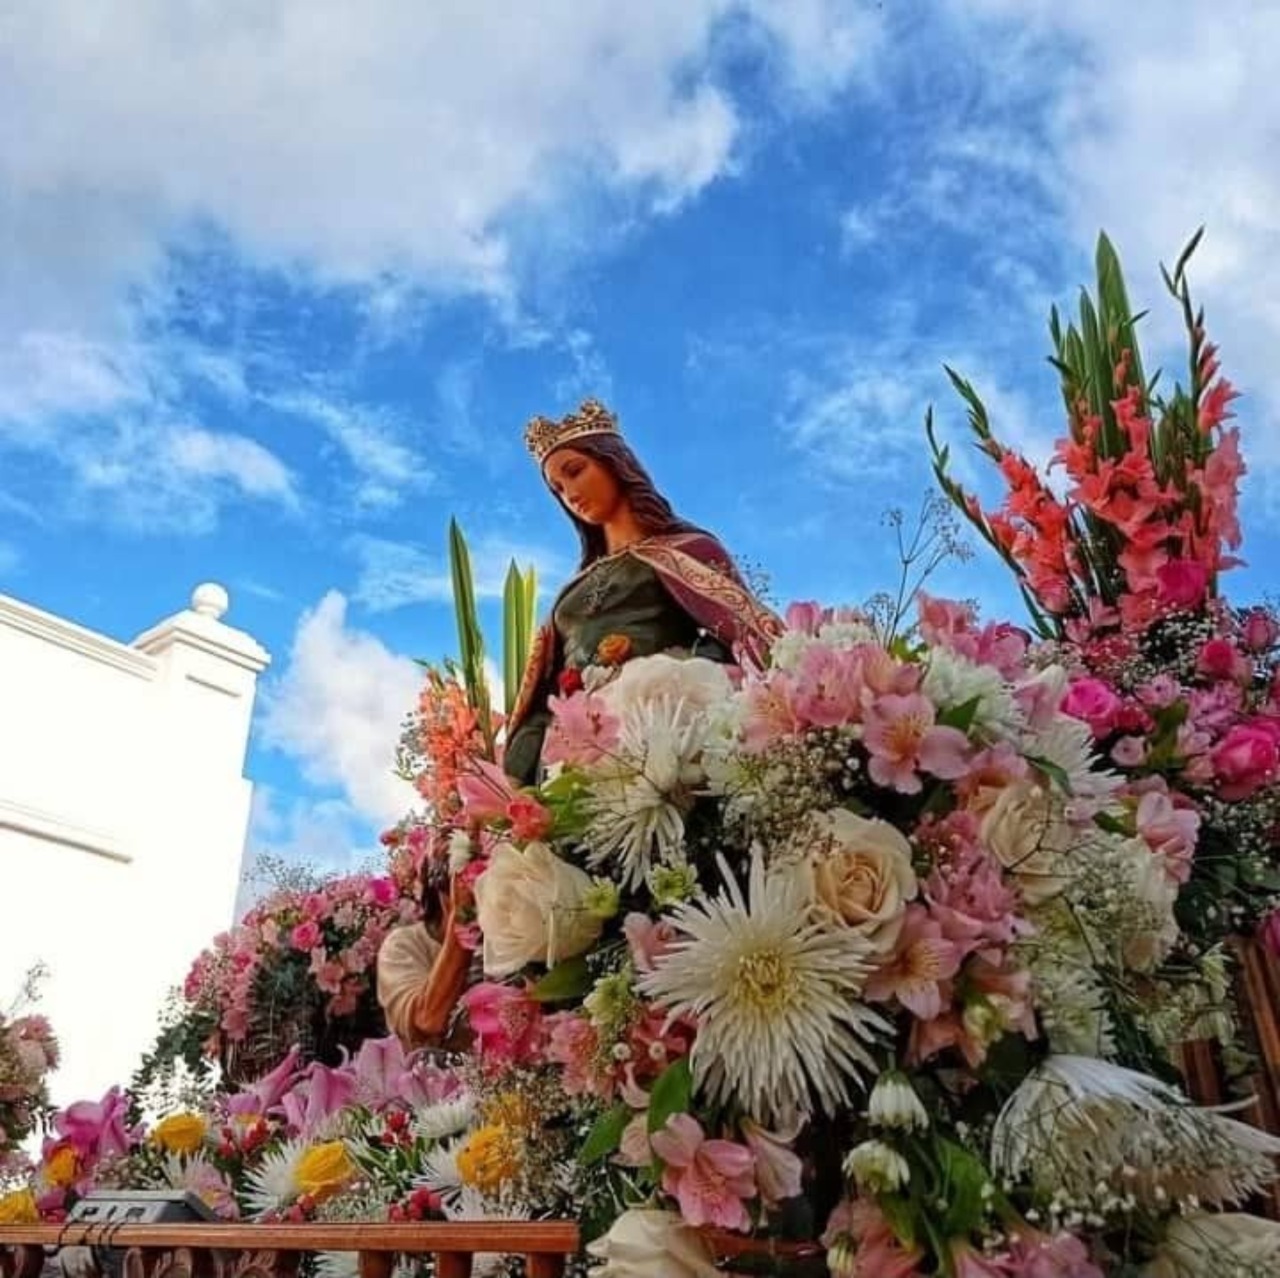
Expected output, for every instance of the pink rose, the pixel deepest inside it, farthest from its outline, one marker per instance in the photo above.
(306, 936)
(1247, 758)
(1259, 631)
(530, 821)
(382, 892)
(1093, 702)
(1182, 583)
(1219, 659)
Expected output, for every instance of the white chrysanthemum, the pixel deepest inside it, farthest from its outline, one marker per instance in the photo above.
(637, 802)
(1092, 1130)
(952, 680)
(1067, 744)
(1224, 1243)
(446, 1118)
(273, 1184)
(788, 650)
(775, 994)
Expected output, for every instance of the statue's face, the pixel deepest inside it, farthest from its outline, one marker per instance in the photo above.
(588, 487)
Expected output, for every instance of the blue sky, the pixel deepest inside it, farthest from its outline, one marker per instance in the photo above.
(279, 289)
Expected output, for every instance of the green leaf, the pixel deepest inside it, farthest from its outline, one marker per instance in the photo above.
(470, 637)
(570, 979)
(1055, 773)
(900, 1215)
(961, 716)
(672, 1093)
(964, 1178)
(605, 1134)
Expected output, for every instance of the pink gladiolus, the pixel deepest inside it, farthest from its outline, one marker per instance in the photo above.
(506, 1021)
(306, 936)
(529, 819)
(1182, 583)
(903, 740)
(710, 1179)
(485, 791)
(1093, 702)
(923, 962)
(1247, 759)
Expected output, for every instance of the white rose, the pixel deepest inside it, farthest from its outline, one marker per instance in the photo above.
(649, 1244)
(1026, 832)
(695, 681)
(862, 873)
(529, 905)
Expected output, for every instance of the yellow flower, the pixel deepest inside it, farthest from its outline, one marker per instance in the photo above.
(511, 1110)
(324, 1169)
(489, 1159)
(62, 1167)
(180, 1133)
(18, 1208)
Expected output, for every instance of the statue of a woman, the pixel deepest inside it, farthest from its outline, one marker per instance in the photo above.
(648, 582)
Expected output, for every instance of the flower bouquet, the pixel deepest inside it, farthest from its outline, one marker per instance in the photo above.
(1121, 565)
(28, 1052)
(863, 947)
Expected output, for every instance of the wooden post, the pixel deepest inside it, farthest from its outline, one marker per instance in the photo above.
(453, 1264)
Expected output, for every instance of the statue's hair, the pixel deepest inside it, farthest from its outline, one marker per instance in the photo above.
(652, 510)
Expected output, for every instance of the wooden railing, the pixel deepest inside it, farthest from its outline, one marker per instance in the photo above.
(273, 1251)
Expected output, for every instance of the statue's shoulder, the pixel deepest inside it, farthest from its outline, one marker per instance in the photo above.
(702, 546)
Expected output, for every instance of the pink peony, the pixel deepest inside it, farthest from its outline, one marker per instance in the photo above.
(711, 1180)
(1093, 702)
(506, 1021)
(1247, 759)
(1182, 583)
(903, 740)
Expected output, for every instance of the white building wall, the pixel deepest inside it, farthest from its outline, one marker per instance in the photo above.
(123, 816)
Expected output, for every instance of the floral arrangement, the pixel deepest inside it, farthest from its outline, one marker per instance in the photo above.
(305, 1142)
(870, 944)
(297, 969)
(28, 1052)
(1121, 567)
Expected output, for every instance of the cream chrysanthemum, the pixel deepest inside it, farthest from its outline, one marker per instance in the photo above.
(274, 1183)
(445, 1118)
(775, 993)
(1096, 1132)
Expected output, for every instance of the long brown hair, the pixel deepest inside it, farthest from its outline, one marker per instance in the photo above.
(652, 510)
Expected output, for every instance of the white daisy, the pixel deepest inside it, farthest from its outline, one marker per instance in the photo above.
(774, 993)
(1092, 1130)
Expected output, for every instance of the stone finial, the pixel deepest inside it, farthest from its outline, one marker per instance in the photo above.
(210, 600)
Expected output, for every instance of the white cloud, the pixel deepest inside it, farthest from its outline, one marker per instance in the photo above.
(394, 574)
(338, 707)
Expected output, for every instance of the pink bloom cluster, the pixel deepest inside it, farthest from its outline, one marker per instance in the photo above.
(28, 1052)
(329, 937)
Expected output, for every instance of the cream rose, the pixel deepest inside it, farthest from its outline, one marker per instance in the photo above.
(530, 907)
(1025, 831)
(642, 1244)
(862, 873)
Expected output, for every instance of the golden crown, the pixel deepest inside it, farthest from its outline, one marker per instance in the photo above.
(542, 436)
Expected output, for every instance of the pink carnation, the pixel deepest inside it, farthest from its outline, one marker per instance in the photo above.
(1093, 702)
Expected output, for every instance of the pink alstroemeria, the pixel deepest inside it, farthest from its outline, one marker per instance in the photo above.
(506, 1021)
(583, 730)
(485, 791)
(710, 1179)
(1170, 831)
(903, 739)
(967, 1262)
(1038, 1255)
(96, 1128)
(923, 962)
(829, 687)
(778, 1169)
